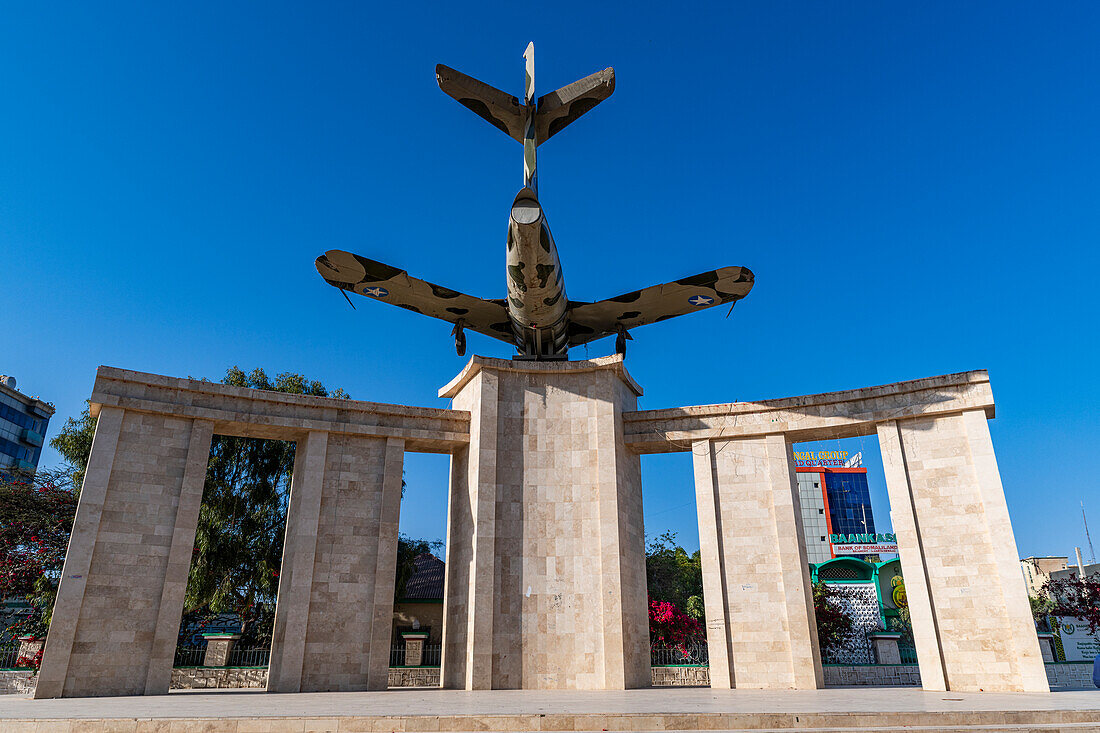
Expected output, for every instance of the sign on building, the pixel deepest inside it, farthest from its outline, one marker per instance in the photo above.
(864, 544)
(1077, 644)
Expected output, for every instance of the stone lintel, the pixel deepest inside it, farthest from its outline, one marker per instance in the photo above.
(256, 413)
(477, 363)
(845, 414)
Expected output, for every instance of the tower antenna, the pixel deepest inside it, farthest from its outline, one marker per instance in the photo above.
(1084, 519)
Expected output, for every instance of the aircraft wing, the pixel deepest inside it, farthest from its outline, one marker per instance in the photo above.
(389, 284)
(590, 321)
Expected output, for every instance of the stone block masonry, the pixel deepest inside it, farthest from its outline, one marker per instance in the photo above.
(120, 599)
(546, 574)
(545, 585)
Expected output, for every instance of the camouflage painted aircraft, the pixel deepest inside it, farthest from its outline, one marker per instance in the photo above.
(536, 317)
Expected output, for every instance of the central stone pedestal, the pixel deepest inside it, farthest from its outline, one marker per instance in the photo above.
(546, 585)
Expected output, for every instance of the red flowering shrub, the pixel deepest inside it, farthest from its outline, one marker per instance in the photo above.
(35, 661)
(1076, 597)
(36, 517)
(669, 626)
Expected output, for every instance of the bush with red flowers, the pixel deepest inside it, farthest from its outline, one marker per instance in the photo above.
(671, 627)
(36, 517)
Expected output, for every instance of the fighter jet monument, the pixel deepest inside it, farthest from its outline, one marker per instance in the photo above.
(536, 316)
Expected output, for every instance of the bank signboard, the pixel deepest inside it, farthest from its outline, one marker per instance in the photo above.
(864, 544)
(1078, 645)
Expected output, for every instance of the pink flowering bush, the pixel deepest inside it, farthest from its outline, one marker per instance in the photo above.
(669, 626)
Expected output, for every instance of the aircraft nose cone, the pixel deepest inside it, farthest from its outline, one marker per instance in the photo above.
(526, 211)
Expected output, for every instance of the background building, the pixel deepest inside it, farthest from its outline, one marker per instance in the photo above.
(1037, 570)
(421, 606)
(835, 500)
(23, 422)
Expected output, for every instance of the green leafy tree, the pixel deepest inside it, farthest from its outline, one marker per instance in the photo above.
(673, 575)
(407, 551)
(1042, 606)
(834, 625)
(74, 443)
(239, 539)
(242, 520)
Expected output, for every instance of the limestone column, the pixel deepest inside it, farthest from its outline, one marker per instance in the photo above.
(711, 552)
(471, 533)
(386, 568)
(760, 623)
(78, 557)
(545, 556)
(1030, 670)
(180, 552)
(903, 516)
(296, 577)
(971, 620)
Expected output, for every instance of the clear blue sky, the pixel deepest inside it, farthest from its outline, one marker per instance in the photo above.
(915, 185)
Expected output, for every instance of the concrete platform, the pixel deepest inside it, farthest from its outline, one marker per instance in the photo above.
(861, 709)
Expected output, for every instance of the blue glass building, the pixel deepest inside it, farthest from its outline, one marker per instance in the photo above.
(834, 500)
(23, 422)
(849, 502)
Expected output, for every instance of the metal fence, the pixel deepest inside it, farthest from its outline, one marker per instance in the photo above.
(679, 656)
(433, 654)
(431, 657)
(8, 654)
(907, 651)
(189, 656)
(255, 657)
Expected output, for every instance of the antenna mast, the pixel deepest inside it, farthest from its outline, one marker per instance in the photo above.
(1084, 519)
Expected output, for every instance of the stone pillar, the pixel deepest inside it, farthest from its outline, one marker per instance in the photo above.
(414, 647)
(973, 628)
(29, 646)
(218, 649)
(885, 645)
(170, 609)
(545, 557)
(335, 605)
(756, 583)
(385, 573)
(1046, 647)
(296, 573)
(119, 566)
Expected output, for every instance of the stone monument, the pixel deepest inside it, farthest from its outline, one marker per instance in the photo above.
(545, 580)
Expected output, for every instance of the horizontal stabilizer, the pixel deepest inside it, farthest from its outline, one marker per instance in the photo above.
(590, 321)
(503, 111)
(389, 284)
(558, 109)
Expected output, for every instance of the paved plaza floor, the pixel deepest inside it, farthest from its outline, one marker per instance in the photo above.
(650, 709)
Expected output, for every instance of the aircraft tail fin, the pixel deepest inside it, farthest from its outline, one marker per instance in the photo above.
(554, 111)
(501, 110)
(560, 108)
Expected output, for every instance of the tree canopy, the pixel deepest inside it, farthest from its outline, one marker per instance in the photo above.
(673, 575)
(239, 539)
(36, 518)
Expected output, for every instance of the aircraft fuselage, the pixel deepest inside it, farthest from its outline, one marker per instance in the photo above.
(537, 304)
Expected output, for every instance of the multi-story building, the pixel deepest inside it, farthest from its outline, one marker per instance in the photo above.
(835, 501)
(23, 422)
(1037, 570)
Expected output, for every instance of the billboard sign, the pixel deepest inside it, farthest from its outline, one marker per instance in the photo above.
(1078, 645)
(864, 544)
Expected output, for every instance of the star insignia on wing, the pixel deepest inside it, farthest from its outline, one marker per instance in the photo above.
(700, 300)
(376, 292)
